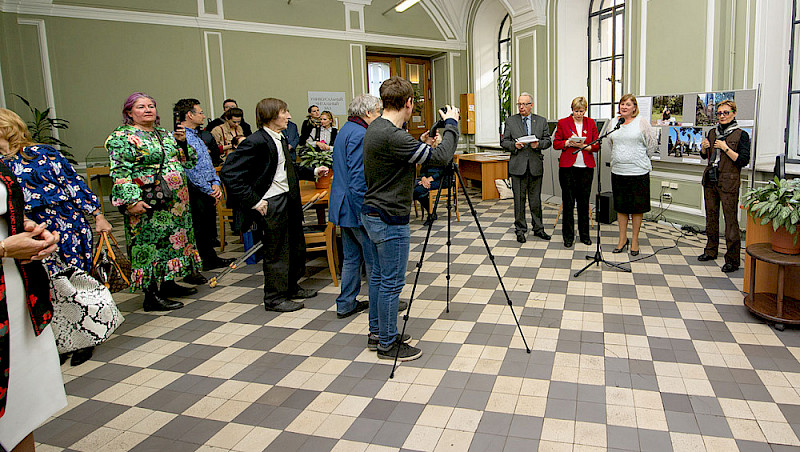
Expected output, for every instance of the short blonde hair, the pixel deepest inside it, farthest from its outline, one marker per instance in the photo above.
(729, 103)
(631, 98)
(14, 130)
(578, 103)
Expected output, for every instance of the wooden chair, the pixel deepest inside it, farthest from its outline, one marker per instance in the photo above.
(224, 215)
(325, 241)
(443, 199)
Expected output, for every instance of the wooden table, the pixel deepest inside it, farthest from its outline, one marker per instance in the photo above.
(485, 168)
(777, 307)
(92, 171)
(307, 191)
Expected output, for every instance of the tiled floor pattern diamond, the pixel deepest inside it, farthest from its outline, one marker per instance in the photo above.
(663, 358)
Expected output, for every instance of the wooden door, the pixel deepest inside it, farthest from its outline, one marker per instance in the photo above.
(418, 72)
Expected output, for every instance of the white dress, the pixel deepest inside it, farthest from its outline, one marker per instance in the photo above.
(35, 386)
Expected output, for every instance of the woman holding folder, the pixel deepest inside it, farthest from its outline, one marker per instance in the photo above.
(576, 169)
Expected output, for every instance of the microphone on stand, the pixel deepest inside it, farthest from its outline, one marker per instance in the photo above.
(619, 124)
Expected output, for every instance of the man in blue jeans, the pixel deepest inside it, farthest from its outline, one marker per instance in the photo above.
(347, 197)
(390, 158)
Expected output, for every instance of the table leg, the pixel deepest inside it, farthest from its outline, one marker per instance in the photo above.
(781, 273)
(321, 215)
(752, 280)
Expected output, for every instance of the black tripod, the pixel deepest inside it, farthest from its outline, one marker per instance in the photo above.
(598, 254)
(450, 173)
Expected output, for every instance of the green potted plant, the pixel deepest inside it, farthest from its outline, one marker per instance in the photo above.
(314, 157)
(779, 203)
(42, 126)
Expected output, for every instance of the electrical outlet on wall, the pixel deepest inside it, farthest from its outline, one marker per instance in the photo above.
(673, 186)
(664, 184)
(667, 195)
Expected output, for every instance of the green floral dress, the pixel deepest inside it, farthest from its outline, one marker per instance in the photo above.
(160, 243)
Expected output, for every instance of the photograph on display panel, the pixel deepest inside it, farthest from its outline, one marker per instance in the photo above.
(707, 107)
(684, 141)
(667, 110)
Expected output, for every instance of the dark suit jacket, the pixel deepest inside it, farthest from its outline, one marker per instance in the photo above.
(248, 173)
(527, 157)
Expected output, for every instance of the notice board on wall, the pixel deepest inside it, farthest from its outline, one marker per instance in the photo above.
(683, 120)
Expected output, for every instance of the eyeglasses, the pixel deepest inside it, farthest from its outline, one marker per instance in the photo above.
(526, 103)
(724, 113)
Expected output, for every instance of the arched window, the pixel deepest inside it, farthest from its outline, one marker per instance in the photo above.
(606, 56)
(504, 68)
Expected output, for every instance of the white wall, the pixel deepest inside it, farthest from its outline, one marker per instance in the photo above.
(572, 47)
(484, 60)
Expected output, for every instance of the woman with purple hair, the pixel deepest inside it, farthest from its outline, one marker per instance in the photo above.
(160, 240)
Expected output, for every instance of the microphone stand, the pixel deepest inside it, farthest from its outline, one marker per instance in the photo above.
(598, 255)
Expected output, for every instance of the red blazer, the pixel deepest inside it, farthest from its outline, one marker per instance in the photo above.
(566, 129)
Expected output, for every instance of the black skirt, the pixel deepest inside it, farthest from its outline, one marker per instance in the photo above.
(631, 193)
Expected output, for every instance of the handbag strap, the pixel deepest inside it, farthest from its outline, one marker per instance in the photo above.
(163, 156)
(104, 236)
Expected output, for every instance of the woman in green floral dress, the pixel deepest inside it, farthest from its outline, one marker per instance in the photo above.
(161, 242)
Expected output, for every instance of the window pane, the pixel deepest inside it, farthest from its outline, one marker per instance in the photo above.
(796, 59)
(415, 73)
(618, 75)
(619, 20)
(601, 81)
(377, 73)
(603, 111)
(794, 126)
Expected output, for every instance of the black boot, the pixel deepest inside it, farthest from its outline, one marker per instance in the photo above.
(172, 289)
(80, 356)
(154, 302)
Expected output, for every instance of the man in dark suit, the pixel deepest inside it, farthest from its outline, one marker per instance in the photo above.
(526, 165)
(263, 181)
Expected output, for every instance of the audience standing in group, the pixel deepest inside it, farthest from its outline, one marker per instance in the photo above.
(30, 382)
(311, 121)
(160, 242)
(347, 198)
(230, 128)
(227, 105)
(576, 169)
(323, 135)
(205, 188)
(727, 148)
(526, 165)
(390, 158)
(630, 147)
(56, 196)
(263, 182)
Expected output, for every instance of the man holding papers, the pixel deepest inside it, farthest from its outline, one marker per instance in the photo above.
(525, 136)
(575, 169)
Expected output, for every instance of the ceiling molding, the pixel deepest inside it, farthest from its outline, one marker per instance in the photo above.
(90, 13)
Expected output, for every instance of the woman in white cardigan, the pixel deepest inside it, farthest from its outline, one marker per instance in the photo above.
(631, 147)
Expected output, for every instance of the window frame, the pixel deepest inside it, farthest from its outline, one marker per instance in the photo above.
(503, 43)
(792, 155)
(610, 13)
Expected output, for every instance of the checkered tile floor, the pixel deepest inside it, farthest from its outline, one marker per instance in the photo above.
(663, 358)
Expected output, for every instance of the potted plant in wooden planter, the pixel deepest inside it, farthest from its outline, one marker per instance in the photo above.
(314, 157)
(779, 203)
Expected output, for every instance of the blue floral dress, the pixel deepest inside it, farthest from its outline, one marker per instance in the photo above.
(55, 194)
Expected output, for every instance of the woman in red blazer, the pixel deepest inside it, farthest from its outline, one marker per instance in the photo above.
(576, 169)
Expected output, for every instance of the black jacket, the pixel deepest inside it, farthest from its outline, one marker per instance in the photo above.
(246, 131)
(248, 173)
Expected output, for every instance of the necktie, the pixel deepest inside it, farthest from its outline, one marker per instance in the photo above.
(527, 127)
(290, 174)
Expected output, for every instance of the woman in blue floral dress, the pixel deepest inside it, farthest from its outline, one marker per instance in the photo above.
(160, 241)
(56, 195)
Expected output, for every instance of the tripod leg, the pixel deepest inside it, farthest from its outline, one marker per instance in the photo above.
(489, 253)
(416, 279)
(449, 176)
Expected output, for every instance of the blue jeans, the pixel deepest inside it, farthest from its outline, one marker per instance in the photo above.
(355, 254)
(389, 243)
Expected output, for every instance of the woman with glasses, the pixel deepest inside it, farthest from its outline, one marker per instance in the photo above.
(727, 148)
(630, 146)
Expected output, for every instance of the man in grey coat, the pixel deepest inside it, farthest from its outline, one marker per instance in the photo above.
(526, 165)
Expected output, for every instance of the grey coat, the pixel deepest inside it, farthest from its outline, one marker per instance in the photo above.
(527, 157)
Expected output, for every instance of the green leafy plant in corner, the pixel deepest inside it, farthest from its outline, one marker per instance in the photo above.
(41, 129)
(504, 90)
(314, 157)
(778, 202)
